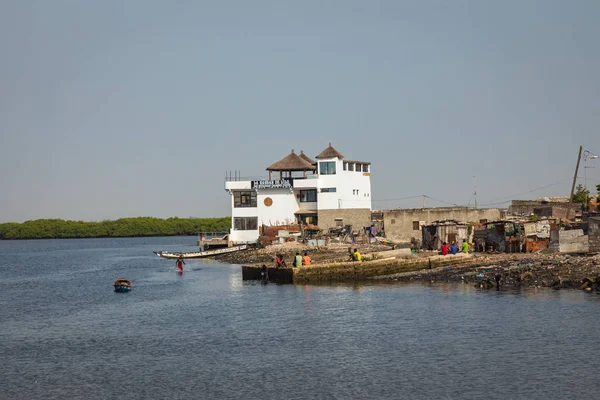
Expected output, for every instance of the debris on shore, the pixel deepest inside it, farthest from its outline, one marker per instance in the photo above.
(558, 271)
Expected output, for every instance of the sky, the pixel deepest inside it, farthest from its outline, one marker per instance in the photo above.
(113, 109)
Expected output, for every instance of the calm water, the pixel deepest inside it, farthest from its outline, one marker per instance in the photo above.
(206, 334)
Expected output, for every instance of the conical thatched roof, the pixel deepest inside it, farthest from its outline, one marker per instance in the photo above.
(330, 152)
(292, 162)
(307, 158)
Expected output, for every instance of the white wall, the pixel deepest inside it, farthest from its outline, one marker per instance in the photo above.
(243, 236)
(346, 184)
(283, 208)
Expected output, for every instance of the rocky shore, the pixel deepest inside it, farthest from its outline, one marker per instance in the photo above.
(559, 271)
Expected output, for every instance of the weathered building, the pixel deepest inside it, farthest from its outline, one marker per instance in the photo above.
(594, 234)
(545, 208)
(404, 224)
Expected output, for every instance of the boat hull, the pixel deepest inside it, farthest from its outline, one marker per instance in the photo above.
(200, 254)
(122, 289)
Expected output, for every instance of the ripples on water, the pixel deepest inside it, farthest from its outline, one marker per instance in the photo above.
(206, 334)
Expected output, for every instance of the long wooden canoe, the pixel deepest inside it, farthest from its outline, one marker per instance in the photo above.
(199, 254)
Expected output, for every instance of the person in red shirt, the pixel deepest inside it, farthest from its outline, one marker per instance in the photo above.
(445, 249)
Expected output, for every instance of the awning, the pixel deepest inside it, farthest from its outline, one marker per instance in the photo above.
(306, 212)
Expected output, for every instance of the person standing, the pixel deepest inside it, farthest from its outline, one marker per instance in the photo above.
(306, 260)
(465, 247)
(180, 263)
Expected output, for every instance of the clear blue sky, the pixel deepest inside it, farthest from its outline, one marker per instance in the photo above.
(137, 108)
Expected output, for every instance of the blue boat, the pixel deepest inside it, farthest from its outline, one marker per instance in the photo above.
(122, 285)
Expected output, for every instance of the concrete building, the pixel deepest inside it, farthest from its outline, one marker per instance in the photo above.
(404, 224)
(328, 192)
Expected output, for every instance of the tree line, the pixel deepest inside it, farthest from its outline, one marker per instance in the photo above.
(124, 227)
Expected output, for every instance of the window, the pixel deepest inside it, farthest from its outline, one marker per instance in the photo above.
(339, 222)
(415, 225)
(355, 192)
(245, 223)
(308, 196)
(358, 167)
(345, 166)
(327, 168)
(350, 166)
(244, 199)
(328, 190)
(366, 168)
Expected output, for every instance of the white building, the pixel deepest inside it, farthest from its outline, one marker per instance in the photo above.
(328, 192)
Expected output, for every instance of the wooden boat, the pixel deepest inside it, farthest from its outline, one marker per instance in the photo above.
(122, 285)
(200, 254)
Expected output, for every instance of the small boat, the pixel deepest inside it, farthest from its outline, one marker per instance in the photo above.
(122, 285)
(200, 254)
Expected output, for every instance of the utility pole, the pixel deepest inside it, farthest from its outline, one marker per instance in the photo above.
(575, 176)
(424, 201)
(475, 189)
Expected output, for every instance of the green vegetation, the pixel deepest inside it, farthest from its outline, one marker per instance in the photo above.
(124, 227)
(581, 195)
(534, 218)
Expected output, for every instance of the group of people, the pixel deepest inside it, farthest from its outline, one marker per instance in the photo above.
(298, 260)
(453, 249)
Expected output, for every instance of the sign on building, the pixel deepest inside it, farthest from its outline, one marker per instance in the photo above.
(285, 183)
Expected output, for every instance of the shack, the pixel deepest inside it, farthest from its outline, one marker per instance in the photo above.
(499, 236)
(449, 230)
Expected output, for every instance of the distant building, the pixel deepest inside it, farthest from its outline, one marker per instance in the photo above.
(545, 207)
(329, 191)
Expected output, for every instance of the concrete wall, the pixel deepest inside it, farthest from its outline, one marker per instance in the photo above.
(594, 235)
(572, 241)
(356, 217)
(352, 271)
(398, 224)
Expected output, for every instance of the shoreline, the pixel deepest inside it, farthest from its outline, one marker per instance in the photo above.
(514, 270)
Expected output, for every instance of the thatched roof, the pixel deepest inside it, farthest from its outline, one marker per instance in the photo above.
(330, 152)
(292, 162)
(307, 158)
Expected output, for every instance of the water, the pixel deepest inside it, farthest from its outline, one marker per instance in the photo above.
(64, 333)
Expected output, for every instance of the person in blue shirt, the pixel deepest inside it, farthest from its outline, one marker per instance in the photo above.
(453, 248)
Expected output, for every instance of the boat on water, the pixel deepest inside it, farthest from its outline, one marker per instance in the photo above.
(122, 285)
(200, 254)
